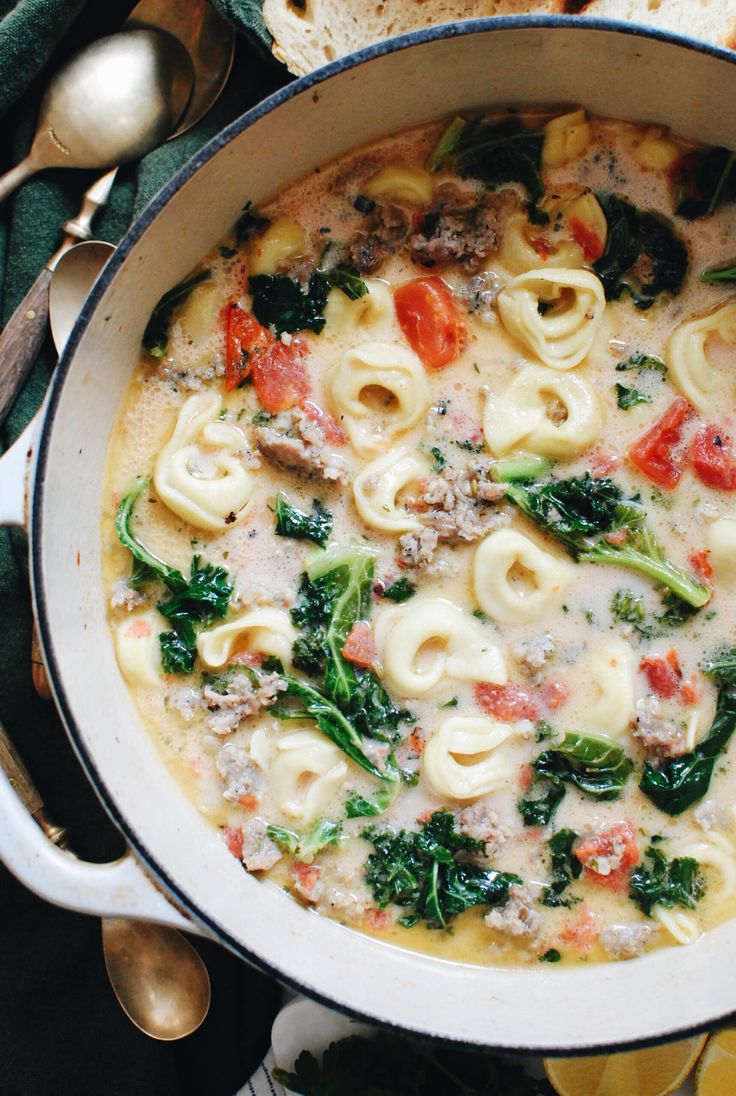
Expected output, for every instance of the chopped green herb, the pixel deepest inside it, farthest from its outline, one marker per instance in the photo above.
(347, 279)
(261, 418)
(451, 703)
(719, 274)
(439, 460)
(640, 361)
(630, 397)
(470, 446)
(552, 955)
(544, 730)
(400, 590)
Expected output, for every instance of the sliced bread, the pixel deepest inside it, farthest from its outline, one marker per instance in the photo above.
(309, 33)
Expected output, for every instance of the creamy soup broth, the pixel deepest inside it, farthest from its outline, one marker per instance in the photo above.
(524, 643)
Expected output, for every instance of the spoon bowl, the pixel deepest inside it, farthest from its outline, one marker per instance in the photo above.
(114, 101)
(74, 275)
(158, 977)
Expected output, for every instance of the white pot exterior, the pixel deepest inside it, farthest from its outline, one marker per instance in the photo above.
(610, 70)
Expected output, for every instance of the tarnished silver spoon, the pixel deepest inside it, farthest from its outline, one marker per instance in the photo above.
(112, 102)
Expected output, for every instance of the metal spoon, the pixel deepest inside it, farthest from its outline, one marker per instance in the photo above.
(157, 976)
(114, 101)
(210, 44)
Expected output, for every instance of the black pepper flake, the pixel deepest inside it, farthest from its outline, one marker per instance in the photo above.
(230, 518)
(364, 204)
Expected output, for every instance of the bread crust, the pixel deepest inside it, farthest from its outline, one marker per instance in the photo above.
(310, 33)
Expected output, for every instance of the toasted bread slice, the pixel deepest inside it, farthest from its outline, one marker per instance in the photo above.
(309, 33)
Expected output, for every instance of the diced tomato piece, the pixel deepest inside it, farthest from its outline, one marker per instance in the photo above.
(618, 842)
(333, 432)
(587, 239)
(507, 702)
(248, 801)
(713, 459)
(581, 929)
(618, 537)
(306, 878)
(234, 841)
(526, 777)
(655, 453)
(601, 463)
(244, 338)
(663, 679)
(279, 376)
(554, 694)
(378, 920)
(431, 320)
(415, 741)
(138, 629)
(689, 692)
(542, 246)
(359, 646)
(701, 565)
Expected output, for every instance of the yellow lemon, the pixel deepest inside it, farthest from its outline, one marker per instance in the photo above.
(716, 1075)
(655, 1071)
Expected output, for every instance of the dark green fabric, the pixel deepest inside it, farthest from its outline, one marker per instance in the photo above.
(61, 1030)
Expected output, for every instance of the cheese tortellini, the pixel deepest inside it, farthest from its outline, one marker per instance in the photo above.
(376, 489)
(560, 332)
(284, 239)
(378, 390)
(570, 211)
(305, 774)
(138, 650)
(462, 760)
(720, 539)
(565, 138)
(403, 183)
(515, 580)
(687, 354)
(199, 473)
(373, 312)
(264, 631)
(432, 639)
(545, 412)
(612, 674)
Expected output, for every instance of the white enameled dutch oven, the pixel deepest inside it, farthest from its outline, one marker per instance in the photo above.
(612, 69)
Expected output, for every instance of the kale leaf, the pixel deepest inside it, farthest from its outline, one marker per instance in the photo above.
(249, 224)
(703, 179)
(280, 302)
(335, 593)
(194, 603)
(357, 806)
(294, 523)
(566, 868)
(418, 870)
(537, 811)
(390, 1065)
(662, 882)
(722, 274)
(678, 782)
(643, 255)
(494, 152)
(594, 766)
(156, 334)
(305, 846)
(582, 510)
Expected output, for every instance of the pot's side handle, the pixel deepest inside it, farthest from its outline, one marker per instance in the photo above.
(15, 466)
(120, 889)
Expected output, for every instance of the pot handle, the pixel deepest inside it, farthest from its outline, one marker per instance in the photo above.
(119, 889)
(15, 467)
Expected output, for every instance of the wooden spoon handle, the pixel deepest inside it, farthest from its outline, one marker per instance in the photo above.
(21, 340)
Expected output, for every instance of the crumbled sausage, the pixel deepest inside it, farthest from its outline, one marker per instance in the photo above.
(706, 815)
(386, 227)
(534, 653)
(660, 736)
(454, 507)
(518, 917)
(417, 549)
(480, 822)
(123, 596)
(627, 941)
(242, 699)
(307, 881)
(297, 443)
(240, 774)
(259, 852)
(458, 231)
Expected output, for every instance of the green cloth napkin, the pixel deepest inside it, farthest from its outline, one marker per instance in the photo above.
(61, 1030)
